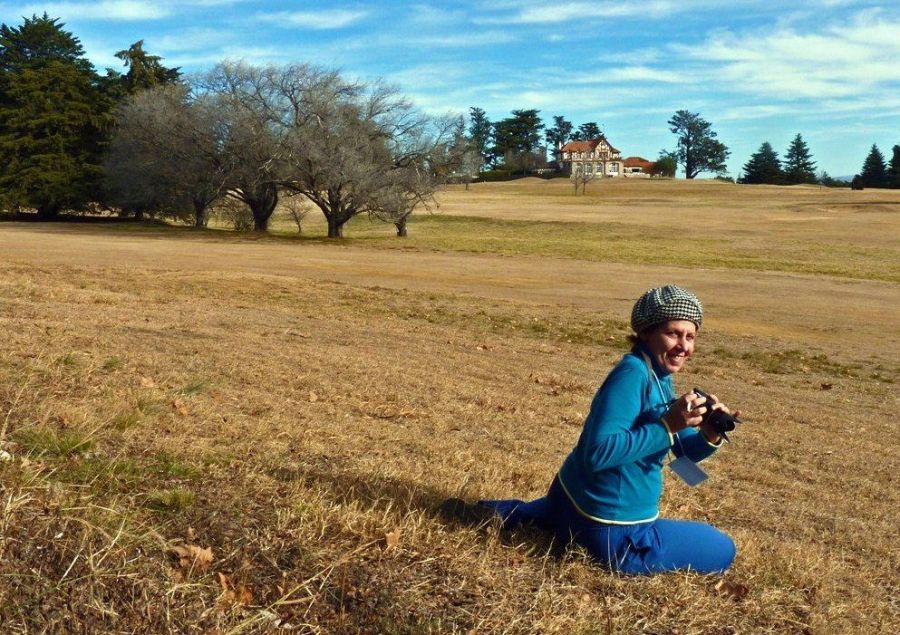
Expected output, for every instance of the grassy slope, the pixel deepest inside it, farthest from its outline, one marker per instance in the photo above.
(291, 424)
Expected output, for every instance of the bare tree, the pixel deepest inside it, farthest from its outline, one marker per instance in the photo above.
(296, 209)
(242, 100)
(163, 156)
(358, 149)
(582, 177)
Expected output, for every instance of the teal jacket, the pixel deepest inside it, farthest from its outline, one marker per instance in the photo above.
(614, 473)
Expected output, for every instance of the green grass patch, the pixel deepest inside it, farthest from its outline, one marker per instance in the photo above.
(148, 406)
(112, 363)
(170, 501)
(792, 361)
(127, 419)
(97, 469)
(628, 244)
(170, 466)
(52, 443)
(194, 387)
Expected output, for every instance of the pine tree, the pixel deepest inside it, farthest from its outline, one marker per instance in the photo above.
(589, 131)
(798, 164)
(894, 169)
(144, 70)
(874, 173)
(52, 117)
(480, 133)
(763, 166)
(558, 135)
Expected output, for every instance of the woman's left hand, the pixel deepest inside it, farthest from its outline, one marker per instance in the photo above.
(709, 431)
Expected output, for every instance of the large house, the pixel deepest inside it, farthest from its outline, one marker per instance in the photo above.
(595, 156)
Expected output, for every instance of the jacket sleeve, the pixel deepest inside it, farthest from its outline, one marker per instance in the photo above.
(692, 444)
(612, 437)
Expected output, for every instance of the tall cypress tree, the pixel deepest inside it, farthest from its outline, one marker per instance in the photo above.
(894, 169)
(763, 166)
(480, 131)
(798, 164)
(52, 117)
(874, 173)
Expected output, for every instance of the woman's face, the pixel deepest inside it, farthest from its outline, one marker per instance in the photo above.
(671, 343)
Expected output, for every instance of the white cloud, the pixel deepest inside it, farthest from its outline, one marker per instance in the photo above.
(320, 20)
(837, 61)
(462, 40)
(124, 10)
(548, 13)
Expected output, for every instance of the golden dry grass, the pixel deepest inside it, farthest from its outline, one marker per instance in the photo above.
(302, 408)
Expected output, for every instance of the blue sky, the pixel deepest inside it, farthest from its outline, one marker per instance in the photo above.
(759, 71)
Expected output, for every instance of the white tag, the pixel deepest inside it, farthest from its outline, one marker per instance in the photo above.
(688, 471)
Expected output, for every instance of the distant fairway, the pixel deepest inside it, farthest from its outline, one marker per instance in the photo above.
(302, 407)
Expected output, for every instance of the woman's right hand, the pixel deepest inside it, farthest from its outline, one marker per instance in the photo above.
(686, 412)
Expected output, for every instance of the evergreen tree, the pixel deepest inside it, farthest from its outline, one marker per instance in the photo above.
(144, 71)
(558, 135)
(763, 166)
(894, 169)
(698, 150)
(874, 173)
(52, 117)
(798, 164)
(480, 132)
(517, 138)
(589, 130)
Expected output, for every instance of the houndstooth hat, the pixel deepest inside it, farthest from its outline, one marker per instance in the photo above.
(663, 304)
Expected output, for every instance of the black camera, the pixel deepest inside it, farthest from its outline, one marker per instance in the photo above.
(720, 420)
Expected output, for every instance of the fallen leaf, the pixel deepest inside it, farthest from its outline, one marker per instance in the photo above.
(241, 594)
(392, 539)
(146, 382)
(735, 590)
(192, 556)
(179, 407)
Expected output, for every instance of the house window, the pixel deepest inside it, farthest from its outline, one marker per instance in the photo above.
(613, 168)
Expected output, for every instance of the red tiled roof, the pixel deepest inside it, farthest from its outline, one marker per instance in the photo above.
(638, 162)
(587, 146)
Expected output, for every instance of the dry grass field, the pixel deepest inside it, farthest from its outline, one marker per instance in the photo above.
(216, 433)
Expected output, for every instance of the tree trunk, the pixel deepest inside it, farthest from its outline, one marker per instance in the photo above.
(48, 212)
(200, 219)
(262, 211)
(335, 227)
(139, 214)
(401, 228)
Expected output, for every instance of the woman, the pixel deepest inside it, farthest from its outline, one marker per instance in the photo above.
(606, 495)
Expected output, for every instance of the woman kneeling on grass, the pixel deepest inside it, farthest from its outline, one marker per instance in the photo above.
(606, 495)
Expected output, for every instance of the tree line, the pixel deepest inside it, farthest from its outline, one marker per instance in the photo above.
(241, 138)
(766, 167)
(152, 142)
(514, 143)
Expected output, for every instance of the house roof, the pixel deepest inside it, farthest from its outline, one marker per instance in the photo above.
(638, 162)
(587, 146)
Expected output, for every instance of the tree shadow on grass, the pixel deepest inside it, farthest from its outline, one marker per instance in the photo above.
(159, 229)
(368, 491)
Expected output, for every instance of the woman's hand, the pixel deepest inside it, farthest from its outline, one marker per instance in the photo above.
(686, 412)
(709, 432)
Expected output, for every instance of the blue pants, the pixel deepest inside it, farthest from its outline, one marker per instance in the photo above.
(653, 547)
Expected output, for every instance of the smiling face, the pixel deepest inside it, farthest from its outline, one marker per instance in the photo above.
(671, 343)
